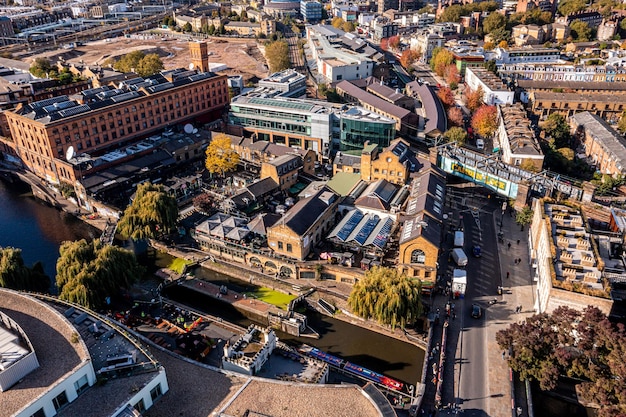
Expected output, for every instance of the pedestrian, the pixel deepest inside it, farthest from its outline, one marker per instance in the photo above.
(519, 261)
(507, 274)
(453, 316)
(509, 245)
(518, 241)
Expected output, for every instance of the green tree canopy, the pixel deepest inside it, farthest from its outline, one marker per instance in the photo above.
(456, 134)
(187, 27)
(494, 21)
(621, 125)
(580, 31)
(88, 272)
(557, 128)
(567, 7)
(583, 345)
(140, 63)
(220, 157)
(42, 68)
(16, 275)
(387, 296)
(277, 54)
(524, 216)
(440, 59)
(152, 213)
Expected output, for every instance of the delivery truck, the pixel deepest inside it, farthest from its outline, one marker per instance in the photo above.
(459, 257)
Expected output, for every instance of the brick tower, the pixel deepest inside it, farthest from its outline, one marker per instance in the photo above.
(199, 55)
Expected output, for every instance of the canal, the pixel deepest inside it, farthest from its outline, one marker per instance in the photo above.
(36, 228)
(380, 353)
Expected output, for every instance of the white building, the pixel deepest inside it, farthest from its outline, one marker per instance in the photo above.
(424, 43)
(494, 90)
(55, 351)
(334, 62)
(250, 352)
(527, 54)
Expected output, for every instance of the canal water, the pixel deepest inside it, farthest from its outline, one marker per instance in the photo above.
(37, 229)
(380, 353)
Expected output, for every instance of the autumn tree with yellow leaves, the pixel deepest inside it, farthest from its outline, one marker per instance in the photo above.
(220, 157)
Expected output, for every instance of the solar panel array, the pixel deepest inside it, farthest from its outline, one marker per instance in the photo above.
(347, 228)
(73, 111)
(366, 230)
(47, 102)
(284, 104)
(383, 234)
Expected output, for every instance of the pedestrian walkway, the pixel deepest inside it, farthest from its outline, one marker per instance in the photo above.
(517, 295)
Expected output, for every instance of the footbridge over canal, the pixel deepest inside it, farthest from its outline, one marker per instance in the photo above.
(509, 181)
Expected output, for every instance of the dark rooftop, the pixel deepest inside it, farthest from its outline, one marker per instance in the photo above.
(371, 99)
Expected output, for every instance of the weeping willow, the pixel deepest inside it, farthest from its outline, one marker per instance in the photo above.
(386, 296)
(152, 213)
(89, 272)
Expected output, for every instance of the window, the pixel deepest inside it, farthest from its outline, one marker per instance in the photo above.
(418, 257)
(155, 392)
(140, 406)
(60, 400)
(280, 245)
(289, 247)
(81, 384)
(39, 413)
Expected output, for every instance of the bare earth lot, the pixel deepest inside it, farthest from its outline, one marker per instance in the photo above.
(242, 56)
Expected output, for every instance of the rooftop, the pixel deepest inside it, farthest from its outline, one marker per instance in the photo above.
(574, 85)
(603, 134)
(57, 108)
(372, 100)
(574, 97)
(520, 135)
(488, 78)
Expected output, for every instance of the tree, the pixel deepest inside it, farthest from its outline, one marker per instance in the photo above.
(455, 116)
(204, 203)
(149, 65)
(474, 99)
(556, 127)
(580, 31)
(499, 35)
(129, 62)
(394, 42)
(567, 7)
(89, 272)
(456, 134)
(451, 74)
(151, 214)
(485, 120)
(277, 54)
(529, 165)
(16, 275)
(451, 14)
(347, 27)
(491, 66)
(187, 27)
(494, 21)
(337, 22)
(220, 158)
(440, 59)
(579, 344)
(408, 58)
(42, 68)
(387, 296)
(621, 125)
(524, 216)
(446, 96)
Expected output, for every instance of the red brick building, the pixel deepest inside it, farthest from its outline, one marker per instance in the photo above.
(99, 119)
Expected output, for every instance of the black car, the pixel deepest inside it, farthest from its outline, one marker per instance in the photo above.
(477, 311)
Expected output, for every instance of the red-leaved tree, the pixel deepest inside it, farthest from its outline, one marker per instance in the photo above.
(485, 120)
(455, 116)
(446, 96)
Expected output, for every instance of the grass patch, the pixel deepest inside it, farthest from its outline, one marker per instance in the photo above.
(178, 265)
(277, 298)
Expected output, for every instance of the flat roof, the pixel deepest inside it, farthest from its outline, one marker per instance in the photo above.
(279, 399)
(50, 334)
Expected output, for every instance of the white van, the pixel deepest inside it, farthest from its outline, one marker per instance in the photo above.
(459, 239)
(459, 257)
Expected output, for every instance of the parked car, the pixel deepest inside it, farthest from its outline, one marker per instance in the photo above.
(477, 311)
(476, 251)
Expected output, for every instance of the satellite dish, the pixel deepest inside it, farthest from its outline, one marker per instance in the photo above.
(192, 66)
(70, 153)
(188, 128)
(195, 130)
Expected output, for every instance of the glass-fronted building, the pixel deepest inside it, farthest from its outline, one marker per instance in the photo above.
(359, 126)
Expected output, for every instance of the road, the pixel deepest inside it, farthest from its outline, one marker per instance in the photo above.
(468, 337)
(422, 72)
